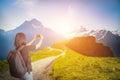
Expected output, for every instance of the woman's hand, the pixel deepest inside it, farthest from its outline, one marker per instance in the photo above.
(38, 36)
(41, 36)
(40, 41)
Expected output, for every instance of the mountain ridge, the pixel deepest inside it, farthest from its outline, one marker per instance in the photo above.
(89, 47)
(103, 36)
(28, 27)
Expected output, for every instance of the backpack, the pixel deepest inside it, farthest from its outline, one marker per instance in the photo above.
(16, 63)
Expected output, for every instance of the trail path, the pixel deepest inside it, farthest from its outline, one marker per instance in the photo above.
(41, 66)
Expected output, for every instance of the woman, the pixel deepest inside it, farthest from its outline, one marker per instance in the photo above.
(20, 40)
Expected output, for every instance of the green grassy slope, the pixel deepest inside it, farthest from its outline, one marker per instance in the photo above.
(44, 53)
(3, 65)
(74, 66)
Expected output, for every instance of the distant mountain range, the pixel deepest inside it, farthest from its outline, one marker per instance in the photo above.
(30, 28)
(108, 38)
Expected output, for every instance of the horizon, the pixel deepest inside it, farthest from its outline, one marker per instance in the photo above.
(61, 16)
(80, 27)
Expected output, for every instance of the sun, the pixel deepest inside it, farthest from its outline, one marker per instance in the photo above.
(66, 23)
(62, 22)
(63, 27)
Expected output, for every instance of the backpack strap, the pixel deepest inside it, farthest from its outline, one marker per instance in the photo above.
(19, 49)
(14, 51)
(9, 55)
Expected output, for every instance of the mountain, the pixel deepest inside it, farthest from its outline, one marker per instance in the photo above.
(3, 43)
(89, 47)
(1, 31)
(30, 28)
(106, 37)
(111, 40)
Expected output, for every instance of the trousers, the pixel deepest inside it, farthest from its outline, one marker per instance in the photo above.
(27, 76)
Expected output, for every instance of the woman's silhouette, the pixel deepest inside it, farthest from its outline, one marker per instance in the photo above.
(20, 40)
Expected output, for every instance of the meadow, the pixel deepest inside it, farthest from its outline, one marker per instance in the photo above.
(75, 66)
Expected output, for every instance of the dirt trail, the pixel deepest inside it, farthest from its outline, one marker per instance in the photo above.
(41, 66)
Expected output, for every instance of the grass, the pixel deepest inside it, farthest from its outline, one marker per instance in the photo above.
(74, 66)
(3, 65)
(44, 53)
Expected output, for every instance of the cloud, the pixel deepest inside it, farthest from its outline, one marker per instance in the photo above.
(28, 5)
(25, 2)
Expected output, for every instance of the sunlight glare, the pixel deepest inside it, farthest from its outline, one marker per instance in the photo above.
(64, 27)
(67, 22)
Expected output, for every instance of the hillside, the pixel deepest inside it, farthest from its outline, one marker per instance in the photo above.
(106, 37)
(89, 46)
(86, 45)
(74, 66)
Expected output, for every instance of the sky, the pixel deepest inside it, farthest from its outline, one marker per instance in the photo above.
(61, 15)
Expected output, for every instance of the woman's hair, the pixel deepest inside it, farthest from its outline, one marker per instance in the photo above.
(20, 39)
